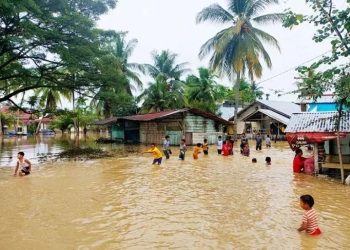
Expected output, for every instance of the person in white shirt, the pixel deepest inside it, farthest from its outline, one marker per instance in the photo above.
(268, 141)
(166, 149)
(219, 145)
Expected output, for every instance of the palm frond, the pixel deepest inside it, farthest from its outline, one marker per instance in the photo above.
(215, 14)
(255, 7)
(267, 38)
(135, 78)
(209, 45)
(137, 66)
(269, 18)
(130, 47)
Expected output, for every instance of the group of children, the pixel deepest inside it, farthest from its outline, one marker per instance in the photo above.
(309, 220)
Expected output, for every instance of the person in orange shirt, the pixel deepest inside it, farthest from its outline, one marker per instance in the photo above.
(197, 151)
(157, 155)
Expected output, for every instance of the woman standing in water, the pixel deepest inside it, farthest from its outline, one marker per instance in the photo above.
(298, 162)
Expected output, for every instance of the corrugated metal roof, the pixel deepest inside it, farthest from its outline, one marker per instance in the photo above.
(327, 98)
(270, 113)
(162, 114)
(152, 116)
(227, 112)
(106, 121)
(287, 108)
(317, 122)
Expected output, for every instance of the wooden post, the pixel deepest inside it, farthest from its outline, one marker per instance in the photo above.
(316, 158)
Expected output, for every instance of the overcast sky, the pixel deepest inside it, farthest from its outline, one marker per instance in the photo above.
(160, 25)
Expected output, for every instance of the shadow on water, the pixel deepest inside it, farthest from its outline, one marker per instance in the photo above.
(214, 202)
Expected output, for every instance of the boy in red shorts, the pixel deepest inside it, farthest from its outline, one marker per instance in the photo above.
(309, 221)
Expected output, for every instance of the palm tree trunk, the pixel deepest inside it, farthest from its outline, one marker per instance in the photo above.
(1, 128)
(238, 80)
(338, 142)
(39, 125)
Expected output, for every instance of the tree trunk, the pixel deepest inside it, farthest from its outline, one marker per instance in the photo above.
(1, 128)
(236, 105)
(338, 142)
(39, 125)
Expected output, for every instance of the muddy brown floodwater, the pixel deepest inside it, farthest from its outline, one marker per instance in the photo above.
(214, 202)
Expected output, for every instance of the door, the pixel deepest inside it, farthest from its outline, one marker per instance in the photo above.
(189, 138)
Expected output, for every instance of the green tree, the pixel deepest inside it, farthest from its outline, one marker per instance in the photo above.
(122, 51)
(62, 122)
(164, 67)
(239, 48)
(39, 37)
(333, 23)
(158, 97)
(204, 92)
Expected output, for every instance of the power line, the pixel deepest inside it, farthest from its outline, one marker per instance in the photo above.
(294, 67)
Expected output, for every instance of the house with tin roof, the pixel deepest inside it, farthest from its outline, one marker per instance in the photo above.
(265, 117)
(320, 130)
(192, 124)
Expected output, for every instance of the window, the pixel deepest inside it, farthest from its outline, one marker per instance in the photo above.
(19, 129)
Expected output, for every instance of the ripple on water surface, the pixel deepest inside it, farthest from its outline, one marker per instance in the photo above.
(214, 202)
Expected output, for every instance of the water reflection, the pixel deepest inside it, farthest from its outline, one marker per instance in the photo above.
(212, 203)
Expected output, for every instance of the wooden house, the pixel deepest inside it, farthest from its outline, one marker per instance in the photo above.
(265, 117)
(191, 124)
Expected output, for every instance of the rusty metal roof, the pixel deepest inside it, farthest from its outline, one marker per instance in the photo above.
(106, 121)
(317, 122)
(162, 114)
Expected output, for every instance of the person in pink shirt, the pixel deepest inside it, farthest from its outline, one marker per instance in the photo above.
(309, 222)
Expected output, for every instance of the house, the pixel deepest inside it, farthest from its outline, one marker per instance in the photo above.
(19, 127)
(227, 110)
(319, 129)
(265, 117)
(325, 103)
(191, 124)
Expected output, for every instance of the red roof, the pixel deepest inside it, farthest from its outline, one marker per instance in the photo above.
(23, 116)
(158, 115)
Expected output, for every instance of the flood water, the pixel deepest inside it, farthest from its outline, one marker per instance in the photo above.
(214, 202)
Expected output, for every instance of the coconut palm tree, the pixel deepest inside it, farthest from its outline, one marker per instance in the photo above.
(256, 91)
(157, 97)
(164, 67)
(122, 51)
(239, 48)
(202, 88)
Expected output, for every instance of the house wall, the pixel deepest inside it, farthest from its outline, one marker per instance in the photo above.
(241, 124)
(197, 128)
(345, 146)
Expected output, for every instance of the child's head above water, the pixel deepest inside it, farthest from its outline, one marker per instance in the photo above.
(205, 140)
(254, 160)
(198, 144)
(268, 160)
(306, 201)
(182, 141)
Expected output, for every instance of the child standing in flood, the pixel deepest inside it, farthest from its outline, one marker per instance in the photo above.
(183, 149)
(25, 164)
(219, 145)
(309, 222)
(268, 141)
(205, 147)
(197, 151)
(246, 150)
(157, 155)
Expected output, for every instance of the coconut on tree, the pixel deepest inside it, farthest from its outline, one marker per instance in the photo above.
(239, 49)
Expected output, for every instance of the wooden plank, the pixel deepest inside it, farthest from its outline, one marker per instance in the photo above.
(335, 165)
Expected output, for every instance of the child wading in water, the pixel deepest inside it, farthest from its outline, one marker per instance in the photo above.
(309, 221)
(268, 141)
(219, 145)
(205, 146)
(183, 149)
(157, 155)
(197, 151)
(25, 164)
(246, 150)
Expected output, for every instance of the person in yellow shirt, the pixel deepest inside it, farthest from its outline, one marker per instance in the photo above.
(157, 155)
(197, 151)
